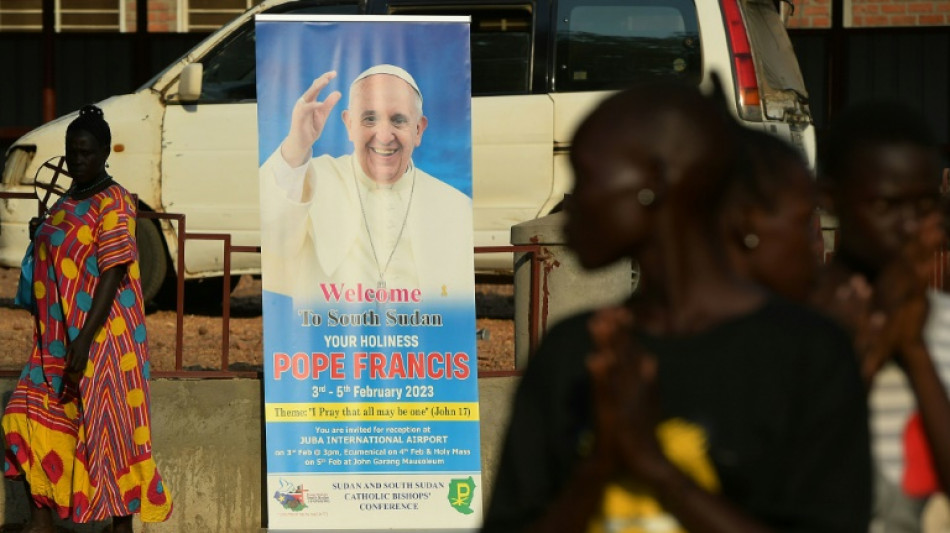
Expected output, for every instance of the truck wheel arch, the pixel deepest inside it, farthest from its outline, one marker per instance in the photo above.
(154, 262)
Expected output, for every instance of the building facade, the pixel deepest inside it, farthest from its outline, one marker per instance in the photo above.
(817, 14)
(849, 51)
(121, 15)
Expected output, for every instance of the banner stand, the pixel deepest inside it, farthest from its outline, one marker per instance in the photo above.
(371, 408)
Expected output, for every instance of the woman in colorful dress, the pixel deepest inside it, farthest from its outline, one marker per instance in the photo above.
(77, 427)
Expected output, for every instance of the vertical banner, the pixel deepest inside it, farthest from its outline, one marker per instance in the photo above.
(371, 393)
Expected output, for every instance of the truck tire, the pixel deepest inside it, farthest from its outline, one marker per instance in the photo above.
(203, 296)
(153, 260)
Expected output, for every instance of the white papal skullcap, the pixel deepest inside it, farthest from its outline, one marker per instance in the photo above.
(392, 70)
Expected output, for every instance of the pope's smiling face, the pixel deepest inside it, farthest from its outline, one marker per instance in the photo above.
(385, 124)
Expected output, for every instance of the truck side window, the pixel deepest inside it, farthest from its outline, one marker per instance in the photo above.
(230, 72)
(609, 44)
(501, 51)
(500, 44)
(229, 69)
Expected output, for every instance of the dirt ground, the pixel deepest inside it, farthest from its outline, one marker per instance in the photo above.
(203, 333)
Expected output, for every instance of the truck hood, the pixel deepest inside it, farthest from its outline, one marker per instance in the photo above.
(136, 142)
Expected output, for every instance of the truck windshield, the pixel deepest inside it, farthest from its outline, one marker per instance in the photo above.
(229, 73)
(609, 44)
(229, 69)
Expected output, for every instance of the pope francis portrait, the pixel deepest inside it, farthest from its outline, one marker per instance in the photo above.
(370, 217)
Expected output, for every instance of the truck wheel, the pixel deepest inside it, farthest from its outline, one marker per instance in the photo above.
(153, 261)
(203, 296)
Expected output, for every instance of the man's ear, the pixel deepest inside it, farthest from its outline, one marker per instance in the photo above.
(743, 221)
(657, 179)
(345, 117)
(421, 127)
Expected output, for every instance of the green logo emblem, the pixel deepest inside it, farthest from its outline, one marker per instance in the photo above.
(461, 492)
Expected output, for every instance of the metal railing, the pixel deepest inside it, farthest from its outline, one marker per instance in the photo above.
(229, 249)
(537, 311)
(537, 307)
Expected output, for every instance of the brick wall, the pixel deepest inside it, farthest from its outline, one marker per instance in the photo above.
(872, 13)
(810, 14)
(866, 13)
(162, 15)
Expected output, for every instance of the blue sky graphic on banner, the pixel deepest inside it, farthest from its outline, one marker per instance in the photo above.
(371, 394)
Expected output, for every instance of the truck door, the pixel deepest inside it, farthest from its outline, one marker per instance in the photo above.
(209, 155)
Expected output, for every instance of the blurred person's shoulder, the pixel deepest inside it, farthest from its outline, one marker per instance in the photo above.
(803, 334)
(786, 314)
(563, 349)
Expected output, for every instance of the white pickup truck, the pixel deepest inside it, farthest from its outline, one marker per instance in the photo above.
(538, 67)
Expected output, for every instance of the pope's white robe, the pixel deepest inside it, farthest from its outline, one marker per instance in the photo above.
(324, 239)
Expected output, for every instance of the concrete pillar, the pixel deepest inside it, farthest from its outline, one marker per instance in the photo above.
(565, 287)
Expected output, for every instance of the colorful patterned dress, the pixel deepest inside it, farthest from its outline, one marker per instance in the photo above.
(86, 449)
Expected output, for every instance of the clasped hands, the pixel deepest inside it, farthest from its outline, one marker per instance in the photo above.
(887, 318)
(626, 405)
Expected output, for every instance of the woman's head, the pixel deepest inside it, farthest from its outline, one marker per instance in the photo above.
(880, 173)
(770, 216)
(88, 141)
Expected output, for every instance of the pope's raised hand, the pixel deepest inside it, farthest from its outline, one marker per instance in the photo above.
(307, 120)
